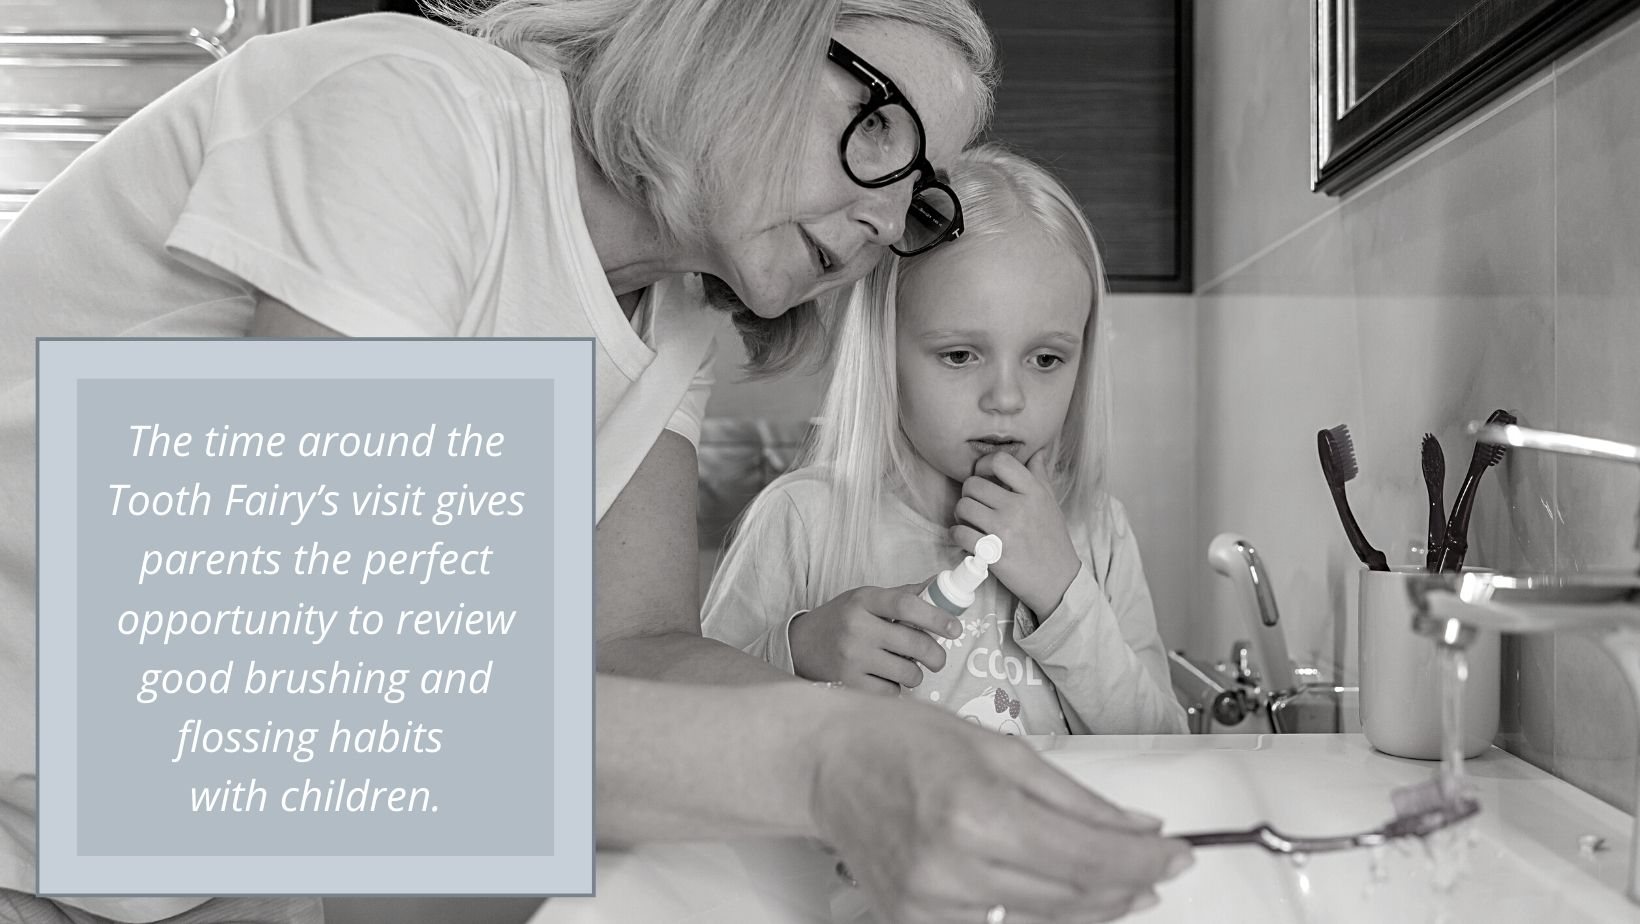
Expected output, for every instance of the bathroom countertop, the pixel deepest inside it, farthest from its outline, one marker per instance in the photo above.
(1523, 861)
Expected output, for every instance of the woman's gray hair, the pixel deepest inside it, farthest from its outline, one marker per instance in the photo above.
(682, 103)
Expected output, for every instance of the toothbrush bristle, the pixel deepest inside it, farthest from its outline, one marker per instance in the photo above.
(1494, 454)
(1422, 808)
(1417, 798)
(1434, 459)
(1343, 453)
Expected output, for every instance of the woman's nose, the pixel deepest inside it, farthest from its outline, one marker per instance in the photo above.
(882, 211)
(1003, 395)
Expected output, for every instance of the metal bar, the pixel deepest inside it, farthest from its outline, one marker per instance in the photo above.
(30, 47)
(214, 42)
(49, 120)
(1550, 441)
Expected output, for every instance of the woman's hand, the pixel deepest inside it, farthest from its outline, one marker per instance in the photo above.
(1016, 503)
(939, 821)
(871, 638)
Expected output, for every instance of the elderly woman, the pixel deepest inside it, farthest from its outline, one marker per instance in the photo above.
(621, 169)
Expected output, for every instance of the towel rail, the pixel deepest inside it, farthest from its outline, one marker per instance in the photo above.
(68, 46)
(29, 47)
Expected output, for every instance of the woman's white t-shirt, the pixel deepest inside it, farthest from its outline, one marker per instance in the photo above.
(382, 174)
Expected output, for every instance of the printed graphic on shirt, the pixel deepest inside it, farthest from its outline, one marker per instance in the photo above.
(983, 672)
(971, 626)
(995, 710)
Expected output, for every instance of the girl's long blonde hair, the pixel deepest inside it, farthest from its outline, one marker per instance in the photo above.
(858, 448)
(683, 103)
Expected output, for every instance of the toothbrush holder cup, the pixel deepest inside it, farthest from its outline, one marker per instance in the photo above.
(1401, 676)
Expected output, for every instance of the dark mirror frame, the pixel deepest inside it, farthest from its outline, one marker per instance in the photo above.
(1489, 48)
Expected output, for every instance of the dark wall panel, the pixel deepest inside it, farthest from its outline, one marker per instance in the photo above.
(1099, 90)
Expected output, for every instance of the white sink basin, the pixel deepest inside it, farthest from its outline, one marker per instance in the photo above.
(1524, 861)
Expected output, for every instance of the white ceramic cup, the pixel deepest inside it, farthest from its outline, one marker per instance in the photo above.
(1401, 676)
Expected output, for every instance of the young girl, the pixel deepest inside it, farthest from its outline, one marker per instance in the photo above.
(968, 397)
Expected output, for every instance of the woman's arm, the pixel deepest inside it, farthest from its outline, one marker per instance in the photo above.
(761, 581)
(648, 580)
(670, 755)
(274, 318)
(939, 820)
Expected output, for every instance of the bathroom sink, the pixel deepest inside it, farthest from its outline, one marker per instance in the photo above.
(1531, 853)
(1524, 861)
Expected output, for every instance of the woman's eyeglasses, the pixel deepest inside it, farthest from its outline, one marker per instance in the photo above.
(884, 144)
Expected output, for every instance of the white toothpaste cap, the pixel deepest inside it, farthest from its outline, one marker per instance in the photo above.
(966, 577)
(988, 549)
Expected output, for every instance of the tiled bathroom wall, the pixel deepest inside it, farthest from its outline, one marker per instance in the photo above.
(1497, 267)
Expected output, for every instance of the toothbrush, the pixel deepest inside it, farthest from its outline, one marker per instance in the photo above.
(1421, 809)
(1434, 482)
(1338, 465)
(1457, 526)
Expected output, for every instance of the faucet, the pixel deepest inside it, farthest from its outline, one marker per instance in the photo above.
(1259, 675)
(1222, 693)
(1237, 559)
(1296, 699)
(1451, 607)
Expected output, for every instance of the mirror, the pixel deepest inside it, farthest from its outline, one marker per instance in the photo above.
(1391, 74)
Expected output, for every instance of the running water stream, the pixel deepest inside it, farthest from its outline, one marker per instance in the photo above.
(1454, 667)
(1449, 848)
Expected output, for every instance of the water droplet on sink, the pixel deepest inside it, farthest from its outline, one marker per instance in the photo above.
(1590, 844)
(1376, 868)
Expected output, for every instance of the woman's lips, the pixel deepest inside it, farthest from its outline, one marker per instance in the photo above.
(821, 258)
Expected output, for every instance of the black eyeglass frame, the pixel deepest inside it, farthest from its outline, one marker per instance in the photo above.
(885, 93)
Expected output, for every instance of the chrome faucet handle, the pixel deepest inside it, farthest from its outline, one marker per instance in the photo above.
(1443, 629)
(1241, 660)
(1451, 633)
(1564, 443)
(1551, 441)
(1233, 556)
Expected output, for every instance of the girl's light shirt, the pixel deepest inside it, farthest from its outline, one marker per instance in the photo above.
(382, 174)
(1096, 664)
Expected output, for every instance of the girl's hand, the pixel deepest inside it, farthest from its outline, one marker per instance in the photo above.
(1016, 503)
(939, 821)
(871, 638)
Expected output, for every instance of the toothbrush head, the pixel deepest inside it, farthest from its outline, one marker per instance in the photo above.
(1416, 798)
(1434, 460)
(1337, 455)
(1427, 822)
(1493, 454)
(1422, 808)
